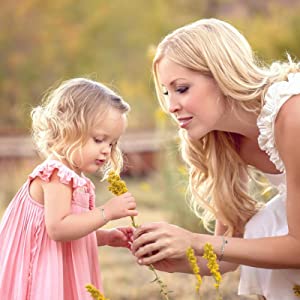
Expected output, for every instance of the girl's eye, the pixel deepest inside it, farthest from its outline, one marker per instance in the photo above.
(182, 90)
(98, 141)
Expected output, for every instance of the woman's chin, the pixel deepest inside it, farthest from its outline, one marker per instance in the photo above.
(195, 136)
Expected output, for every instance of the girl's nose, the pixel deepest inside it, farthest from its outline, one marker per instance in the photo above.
(106, 149)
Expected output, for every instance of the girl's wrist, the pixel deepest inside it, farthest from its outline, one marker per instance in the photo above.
(104, 217)
(102, 237)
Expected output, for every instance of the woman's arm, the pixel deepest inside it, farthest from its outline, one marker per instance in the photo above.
(164, 245)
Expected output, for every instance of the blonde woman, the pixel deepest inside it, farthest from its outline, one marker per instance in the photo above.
(50, 231)
(234, 116)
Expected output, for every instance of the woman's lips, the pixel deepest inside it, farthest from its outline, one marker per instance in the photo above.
(184, 122)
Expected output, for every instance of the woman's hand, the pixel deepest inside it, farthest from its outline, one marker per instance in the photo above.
(154, 242)
(120, 206)
(172, 265)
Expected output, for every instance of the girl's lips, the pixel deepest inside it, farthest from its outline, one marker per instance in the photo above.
(100, 162)
(184, 122)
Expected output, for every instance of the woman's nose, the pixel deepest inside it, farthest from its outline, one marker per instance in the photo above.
(174, 107)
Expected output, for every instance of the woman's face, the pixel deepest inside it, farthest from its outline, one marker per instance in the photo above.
(194, 100)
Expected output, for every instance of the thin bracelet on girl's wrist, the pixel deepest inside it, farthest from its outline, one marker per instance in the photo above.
(224, 242)
(103, 214)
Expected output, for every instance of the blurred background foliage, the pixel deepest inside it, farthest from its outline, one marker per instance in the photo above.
(43, 42)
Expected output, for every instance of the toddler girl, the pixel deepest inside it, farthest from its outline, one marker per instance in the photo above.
(50, 231)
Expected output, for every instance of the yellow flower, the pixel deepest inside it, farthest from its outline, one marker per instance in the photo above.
(118, 187)
(193, 263)
(296, 290)
(95, 293)
(212, 264)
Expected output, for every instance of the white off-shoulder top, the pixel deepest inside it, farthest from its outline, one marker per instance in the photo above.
(271, 220)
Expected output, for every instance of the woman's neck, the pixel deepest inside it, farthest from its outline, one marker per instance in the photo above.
(242, 123)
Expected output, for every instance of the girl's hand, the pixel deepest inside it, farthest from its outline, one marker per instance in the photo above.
(154, 242)
(120, 237)
(120, 207)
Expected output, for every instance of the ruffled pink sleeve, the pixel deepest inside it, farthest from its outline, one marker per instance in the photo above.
(66, 175)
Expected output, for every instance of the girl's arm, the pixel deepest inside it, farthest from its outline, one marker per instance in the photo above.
(271, 252)
(63, 225)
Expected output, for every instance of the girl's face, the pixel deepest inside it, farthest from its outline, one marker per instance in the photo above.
(194, 100)
(97, 150)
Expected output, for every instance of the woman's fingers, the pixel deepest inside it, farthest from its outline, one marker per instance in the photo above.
(147, 249)
(157, 256)
(147, 227)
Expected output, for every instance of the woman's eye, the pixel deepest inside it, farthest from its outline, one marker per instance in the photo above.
(182, 90)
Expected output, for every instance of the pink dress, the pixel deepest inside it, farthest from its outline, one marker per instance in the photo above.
(34, 267)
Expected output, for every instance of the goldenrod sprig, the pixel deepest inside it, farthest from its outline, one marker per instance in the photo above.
(118, 187)
(194, 265)
(212, 265)
(163, 287)
(296, 290)
(95, 293)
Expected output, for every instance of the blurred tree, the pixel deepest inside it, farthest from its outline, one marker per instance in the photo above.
(43, 42)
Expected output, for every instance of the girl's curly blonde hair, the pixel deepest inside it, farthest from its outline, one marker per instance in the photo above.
(216, 171)
(61, 125)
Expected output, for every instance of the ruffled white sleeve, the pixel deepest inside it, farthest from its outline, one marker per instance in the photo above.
(277, 94)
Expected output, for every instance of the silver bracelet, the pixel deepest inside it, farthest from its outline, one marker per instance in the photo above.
(224, 242)
(103, 214)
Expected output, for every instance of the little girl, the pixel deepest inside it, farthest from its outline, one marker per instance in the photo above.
(50, 231)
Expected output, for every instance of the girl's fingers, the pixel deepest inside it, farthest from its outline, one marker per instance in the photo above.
(131, 205)
(132, 212)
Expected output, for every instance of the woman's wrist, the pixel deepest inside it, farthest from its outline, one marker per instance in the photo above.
(197, 243)
(218, 242)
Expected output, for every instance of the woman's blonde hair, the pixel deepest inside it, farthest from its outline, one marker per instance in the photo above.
(217, 172)
(62, 124)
